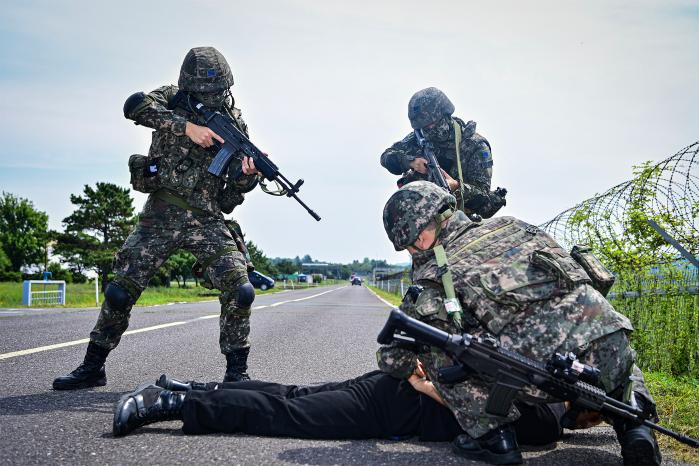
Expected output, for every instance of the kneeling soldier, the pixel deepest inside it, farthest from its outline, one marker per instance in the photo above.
(509, 279)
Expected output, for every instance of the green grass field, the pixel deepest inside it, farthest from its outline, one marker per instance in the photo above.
(83, 294)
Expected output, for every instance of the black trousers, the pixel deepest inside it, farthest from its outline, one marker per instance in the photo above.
(374, 405)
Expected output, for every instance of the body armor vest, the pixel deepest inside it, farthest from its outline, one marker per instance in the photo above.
(182, 165)
(505, 269)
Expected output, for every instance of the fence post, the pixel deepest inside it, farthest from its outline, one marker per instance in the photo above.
(402, 292)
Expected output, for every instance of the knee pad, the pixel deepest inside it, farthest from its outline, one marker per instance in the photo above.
(117, 297)
(246, 294)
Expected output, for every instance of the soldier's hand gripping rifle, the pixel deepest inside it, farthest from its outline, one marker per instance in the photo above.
(563, 377)
(434, 171)
(235, 141)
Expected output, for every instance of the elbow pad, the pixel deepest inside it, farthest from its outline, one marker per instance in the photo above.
(133, 102)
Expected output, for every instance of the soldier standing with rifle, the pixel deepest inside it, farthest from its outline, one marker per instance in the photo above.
(183, 211)
(506, 278)
(447, 151)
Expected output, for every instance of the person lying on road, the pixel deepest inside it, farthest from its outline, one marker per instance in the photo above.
(374, 405)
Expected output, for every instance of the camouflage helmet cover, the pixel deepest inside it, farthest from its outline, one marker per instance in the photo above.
(427, 106)
(204, 69)
(411, 209)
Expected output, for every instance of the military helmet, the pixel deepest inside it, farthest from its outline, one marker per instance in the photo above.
(411, 209)
(427, 106)
(204, 69)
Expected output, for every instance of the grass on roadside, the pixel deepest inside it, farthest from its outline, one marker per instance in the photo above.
(83, 295)
(676, 398)
(390, 297)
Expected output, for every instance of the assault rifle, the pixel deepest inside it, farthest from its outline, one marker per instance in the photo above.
(436, 176)
(434, 171)
(563, 377)
(235, 141)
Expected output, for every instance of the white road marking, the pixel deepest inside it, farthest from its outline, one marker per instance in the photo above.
(384, 301)
(83, 341)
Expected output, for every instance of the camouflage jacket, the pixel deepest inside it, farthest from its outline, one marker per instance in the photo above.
(514, 282)
(182, 166)
(475, 155)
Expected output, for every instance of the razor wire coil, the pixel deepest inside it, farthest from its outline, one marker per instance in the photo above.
(667, 192)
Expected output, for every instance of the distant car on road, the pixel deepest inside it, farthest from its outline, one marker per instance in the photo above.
(260, 281)
(356, 281)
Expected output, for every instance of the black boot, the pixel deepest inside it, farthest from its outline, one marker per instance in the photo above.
(638, 443)
(237, 365)
(88, 374)
(148, 404)
(177, 386)
(499, 446)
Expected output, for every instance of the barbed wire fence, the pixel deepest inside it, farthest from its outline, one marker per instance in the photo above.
(667, 192)
(656, 288)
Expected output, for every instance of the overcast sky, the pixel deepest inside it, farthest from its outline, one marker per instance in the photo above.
(569, 94)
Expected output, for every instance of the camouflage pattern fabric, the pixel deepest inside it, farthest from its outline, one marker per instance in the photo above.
(476, 164)
(239, 237)
(205, 69)
(411, 209)
(427, 106)
(182, 167)
(516, 283)
(162, 229)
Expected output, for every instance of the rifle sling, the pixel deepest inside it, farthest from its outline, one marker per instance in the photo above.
(451, 303)
(457, 145)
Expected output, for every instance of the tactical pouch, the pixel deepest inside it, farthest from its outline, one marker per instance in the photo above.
(569, 272)
(602, 278)
(229, 198)
(144, 173)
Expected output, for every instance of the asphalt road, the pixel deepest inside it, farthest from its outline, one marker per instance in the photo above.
(300, 337)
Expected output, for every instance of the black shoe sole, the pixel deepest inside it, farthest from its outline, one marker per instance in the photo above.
(513, 457)
(76, 386)
(641, 453)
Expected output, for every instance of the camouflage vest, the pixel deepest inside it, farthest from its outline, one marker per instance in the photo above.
(182, 166)
(511, 277)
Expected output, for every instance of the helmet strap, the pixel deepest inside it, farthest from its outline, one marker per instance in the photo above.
(439, 219)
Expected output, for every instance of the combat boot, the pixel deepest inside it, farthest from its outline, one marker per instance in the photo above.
(237, 365)
(148, 404)
(178, 386)
(638, 443)
(90, 373)
(499, 446)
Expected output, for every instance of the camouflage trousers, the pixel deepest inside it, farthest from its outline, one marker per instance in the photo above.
(611, 354)
(162, 229)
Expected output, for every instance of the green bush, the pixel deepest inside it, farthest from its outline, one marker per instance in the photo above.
(9, 276)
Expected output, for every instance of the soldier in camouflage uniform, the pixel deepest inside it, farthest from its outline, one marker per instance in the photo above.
(468, 170)
(183, 211)
(507, 278)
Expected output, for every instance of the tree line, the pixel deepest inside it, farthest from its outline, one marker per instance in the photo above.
(103, 217)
